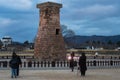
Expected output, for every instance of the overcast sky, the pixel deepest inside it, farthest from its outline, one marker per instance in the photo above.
(20, 18)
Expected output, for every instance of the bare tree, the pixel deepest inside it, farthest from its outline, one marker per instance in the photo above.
(67, 32)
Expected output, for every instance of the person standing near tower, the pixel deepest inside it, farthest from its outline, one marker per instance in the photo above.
(19, 64)
(72, 61)
(82, 64)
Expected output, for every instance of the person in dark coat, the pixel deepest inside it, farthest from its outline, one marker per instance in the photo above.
(72, 61)
(13, 64)
(82, 64)
(19, 63)
(72, 64)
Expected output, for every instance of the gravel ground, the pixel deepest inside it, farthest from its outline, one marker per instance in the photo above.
(91, 74)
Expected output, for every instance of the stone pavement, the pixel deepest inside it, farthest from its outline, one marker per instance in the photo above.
(92, 74)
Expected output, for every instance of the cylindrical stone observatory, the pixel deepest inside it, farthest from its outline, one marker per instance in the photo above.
(49, 44)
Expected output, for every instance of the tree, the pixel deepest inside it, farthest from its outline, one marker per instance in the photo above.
(26, 43)
(118, 43)
(98, 42)
(67, 32)
(87, 42)
(1, 43)
(93, 42)
(63, 28)
(110, 42)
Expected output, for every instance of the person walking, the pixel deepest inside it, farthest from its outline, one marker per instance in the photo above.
(82, 64)
(13, 63)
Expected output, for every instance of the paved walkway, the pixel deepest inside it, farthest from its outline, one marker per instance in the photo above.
(92, 74)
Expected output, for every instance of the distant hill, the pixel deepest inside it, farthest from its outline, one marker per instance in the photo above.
(80, 40)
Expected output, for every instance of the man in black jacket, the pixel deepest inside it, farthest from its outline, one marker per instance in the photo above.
(19, 64)
(82, 64)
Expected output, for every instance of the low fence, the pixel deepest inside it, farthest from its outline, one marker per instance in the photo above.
(29, 56)
(93, 63)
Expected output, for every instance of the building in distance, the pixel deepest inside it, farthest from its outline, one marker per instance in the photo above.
(6, 40)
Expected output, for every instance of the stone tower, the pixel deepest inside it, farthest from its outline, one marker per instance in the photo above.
(49, 43)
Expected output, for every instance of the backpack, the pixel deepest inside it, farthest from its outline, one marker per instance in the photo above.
(13, 62)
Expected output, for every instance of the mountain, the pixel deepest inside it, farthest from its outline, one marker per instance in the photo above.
(77, 40)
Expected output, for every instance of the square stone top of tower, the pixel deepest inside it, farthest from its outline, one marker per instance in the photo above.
(49, 4)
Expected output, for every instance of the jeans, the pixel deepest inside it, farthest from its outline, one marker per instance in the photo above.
(17, 71)
(13, 72)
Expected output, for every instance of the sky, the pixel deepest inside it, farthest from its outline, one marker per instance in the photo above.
(20, 18)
